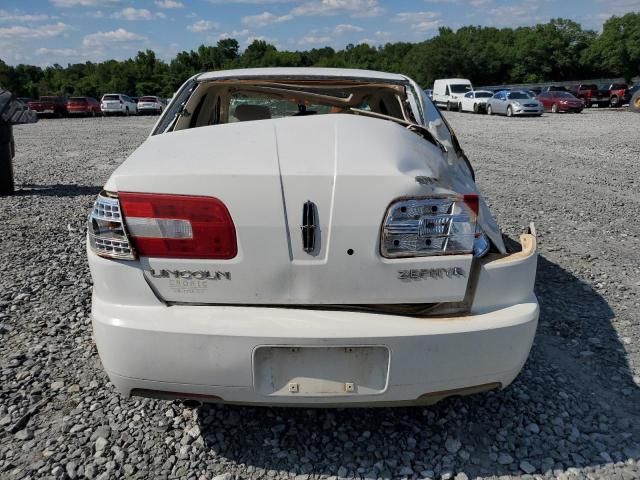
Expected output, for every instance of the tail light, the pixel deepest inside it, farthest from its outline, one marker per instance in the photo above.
(106, 231)
(167, 226)
(443, 225)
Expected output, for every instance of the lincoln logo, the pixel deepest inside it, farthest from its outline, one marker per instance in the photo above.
(190, 275)
(435, 273)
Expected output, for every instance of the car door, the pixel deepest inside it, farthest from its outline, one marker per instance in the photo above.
(467, 101)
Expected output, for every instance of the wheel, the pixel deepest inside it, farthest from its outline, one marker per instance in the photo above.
(587, 103)
(489, 110)
(475, 108)
(460, 107)
(554, 108)
(126, 113)
(579, 110)
(615, 102)
(448, 106)
(509, 111)
(634, 103)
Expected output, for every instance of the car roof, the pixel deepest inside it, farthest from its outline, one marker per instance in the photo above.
(346, 73)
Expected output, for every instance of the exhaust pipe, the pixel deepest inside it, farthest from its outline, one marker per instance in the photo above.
(191, 403)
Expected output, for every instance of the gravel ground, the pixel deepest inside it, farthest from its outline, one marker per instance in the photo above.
(574, 412)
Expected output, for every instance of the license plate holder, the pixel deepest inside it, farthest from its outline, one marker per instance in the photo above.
(320, 371)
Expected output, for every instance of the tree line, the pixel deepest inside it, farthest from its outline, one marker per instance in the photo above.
(559, 50)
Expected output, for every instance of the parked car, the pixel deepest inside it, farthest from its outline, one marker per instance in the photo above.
(557, 102)
(86, 106)
(555, 88)
(118, 104)
(591, 95)
(386, 282)
(618, 94)
(634, 103)
(150, 104)
(50, 105)
(514, 103)
(475, 101)
(447, 92)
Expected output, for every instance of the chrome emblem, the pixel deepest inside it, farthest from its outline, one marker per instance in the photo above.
(190, 275)
(434, 273)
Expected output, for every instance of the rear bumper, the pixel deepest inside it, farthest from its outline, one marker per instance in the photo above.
(208, 351)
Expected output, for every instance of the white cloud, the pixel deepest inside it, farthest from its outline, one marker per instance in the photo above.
(233, 34)
(420, 22)
(315, 40)
(265, 18)
(203, 26)
(120, 35)
(84, 3)
(57, 52)
(20, 17)
(168, 4)
(133, 14)
(43, 31)
(346, 28)
(251, 2)
(355, 8)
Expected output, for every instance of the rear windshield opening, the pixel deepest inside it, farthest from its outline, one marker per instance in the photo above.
(241, 101)
(111, 97)
(518, 95)
(484, 94)
(78, 99)
(147, 99)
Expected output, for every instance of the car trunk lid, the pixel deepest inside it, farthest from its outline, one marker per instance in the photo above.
(350, 168)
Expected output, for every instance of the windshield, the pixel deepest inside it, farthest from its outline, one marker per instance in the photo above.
(518, 96)
(484, 95)
(460, 88)
(590, 87)
(564, 95)
(78, 99)
(147, 99)
(111, 97)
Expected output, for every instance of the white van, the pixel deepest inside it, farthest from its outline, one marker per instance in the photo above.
(447, 92)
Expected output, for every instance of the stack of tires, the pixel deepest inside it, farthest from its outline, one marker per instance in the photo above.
(12, 112)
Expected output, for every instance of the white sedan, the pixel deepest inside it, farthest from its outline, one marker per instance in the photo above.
(305, 236)
(475, 101)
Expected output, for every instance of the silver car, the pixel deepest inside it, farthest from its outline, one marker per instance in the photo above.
(512, 103)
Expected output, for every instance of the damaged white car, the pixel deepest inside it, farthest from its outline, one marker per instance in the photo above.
(304, 236)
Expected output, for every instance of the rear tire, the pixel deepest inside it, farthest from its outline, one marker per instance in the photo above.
(448, 106)
(489, 110)
(614, 102)
(126, 113)
(509, 111)
(7, 150)
(475, 108)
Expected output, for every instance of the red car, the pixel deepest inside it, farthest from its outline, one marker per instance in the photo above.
(86, 106)
(50, 106)
(560, 102)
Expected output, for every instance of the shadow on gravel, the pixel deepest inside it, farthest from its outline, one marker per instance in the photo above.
(57, 190)
(572, 407)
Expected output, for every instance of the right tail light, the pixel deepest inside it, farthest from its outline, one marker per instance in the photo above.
(442, 225)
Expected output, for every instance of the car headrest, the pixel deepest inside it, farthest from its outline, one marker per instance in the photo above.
(246, 112)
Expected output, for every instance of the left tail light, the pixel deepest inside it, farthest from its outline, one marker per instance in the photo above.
(160, 225)
(106, 230)
(441, 225)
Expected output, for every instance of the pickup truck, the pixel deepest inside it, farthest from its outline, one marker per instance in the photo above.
(591, 95)
(56, 106)
(618, 94)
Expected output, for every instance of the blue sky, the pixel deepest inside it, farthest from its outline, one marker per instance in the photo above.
(44, 32)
